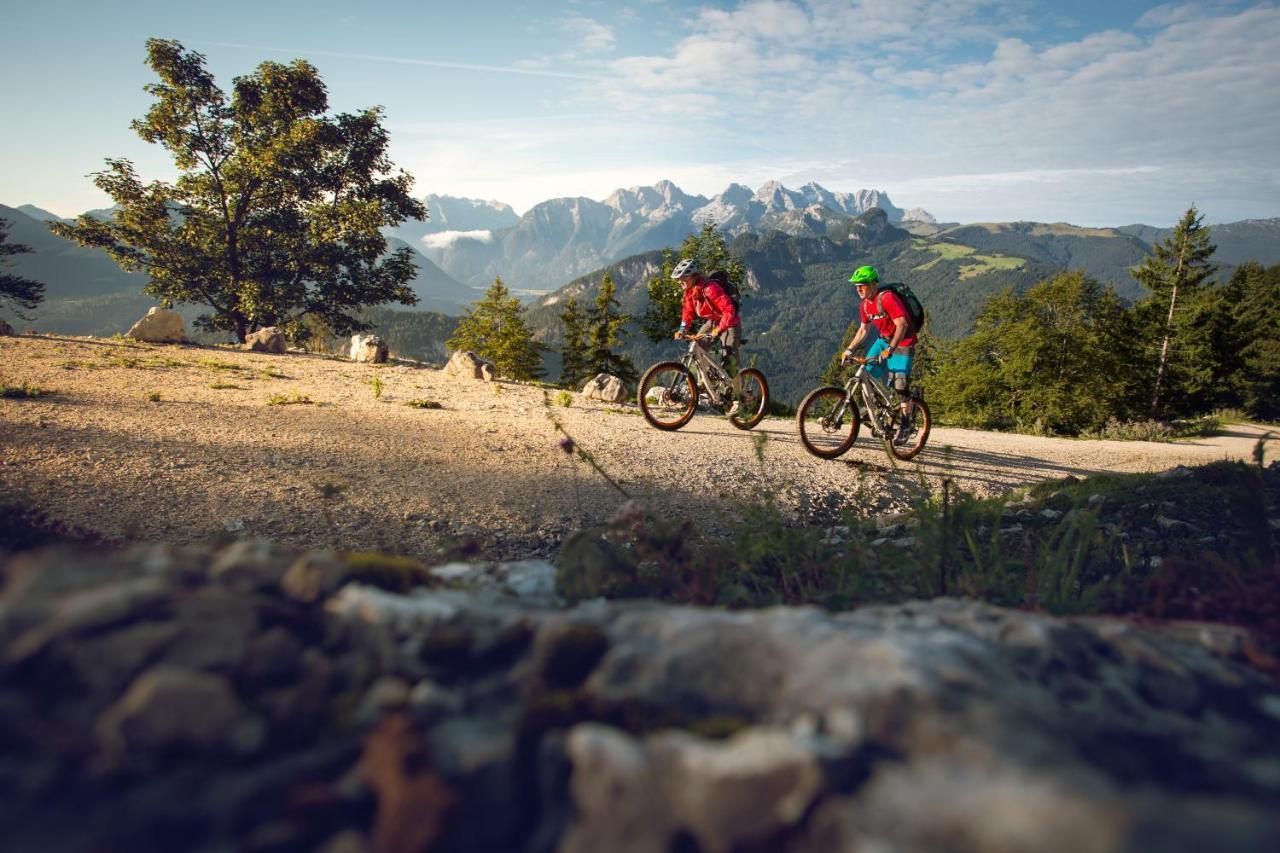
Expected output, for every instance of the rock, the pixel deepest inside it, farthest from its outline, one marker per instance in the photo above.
(467, 365)
(159, 326)
(607, 388)
(1050, 514)
(314, 576)
(6, 331)
(1173, 525)
(368, 348)
(169, 708)
(269, 339)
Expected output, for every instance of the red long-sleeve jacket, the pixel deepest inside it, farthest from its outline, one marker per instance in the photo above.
(708, 301)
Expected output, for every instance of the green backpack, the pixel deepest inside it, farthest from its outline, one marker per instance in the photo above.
(914, 309)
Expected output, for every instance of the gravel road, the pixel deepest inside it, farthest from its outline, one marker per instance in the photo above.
(213, 456)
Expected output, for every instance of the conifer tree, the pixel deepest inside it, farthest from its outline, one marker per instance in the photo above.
(604, 336)
(573, 352)
(1173, 272)
(23, 293)
(1253, 293)
(709, 249)
(494, 329)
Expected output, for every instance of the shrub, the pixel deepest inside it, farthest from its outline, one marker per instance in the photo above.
(424, 404)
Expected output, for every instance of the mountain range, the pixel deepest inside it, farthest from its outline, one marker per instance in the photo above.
(558, 239)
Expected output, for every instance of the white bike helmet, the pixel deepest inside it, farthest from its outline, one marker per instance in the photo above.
(686, 267)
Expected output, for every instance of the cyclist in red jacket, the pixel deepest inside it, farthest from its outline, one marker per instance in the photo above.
(893, 351)
(706, 300)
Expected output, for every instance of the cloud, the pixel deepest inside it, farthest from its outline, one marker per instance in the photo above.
(593, 36)
(530, 70)
(445, 239)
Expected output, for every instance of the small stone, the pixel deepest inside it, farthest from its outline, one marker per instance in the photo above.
(1050, 514)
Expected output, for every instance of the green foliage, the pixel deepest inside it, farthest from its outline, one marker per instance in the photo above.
(564, 398)
(153, 397)
(708, 248)
(573, 352)
(225, 386)
(376, 384)
(494, 329)
(604, 333)
(276, 212)
(1051, 360)
(1174, 273)
(423, 404)
(386, 571)
(21, 293)
(1252, 299)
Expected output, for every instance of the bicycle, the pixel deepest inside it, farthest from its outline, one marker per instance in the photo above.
(829, 417)
(669, 390)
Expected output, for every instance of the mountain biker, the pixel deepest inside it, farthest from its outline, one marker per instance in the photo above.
(707, 300)
(893, 350)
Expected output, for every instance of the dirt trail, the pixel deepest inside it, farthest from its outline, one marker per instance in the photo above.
(203, 461)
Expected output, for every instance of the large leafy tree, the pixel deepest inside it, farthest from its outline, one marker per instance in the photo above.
(1051, 359)
(276, 212)
(21, 293)
(494, 329)
(573, 352)
(604, 336)
(1174, 273)
(708, 248)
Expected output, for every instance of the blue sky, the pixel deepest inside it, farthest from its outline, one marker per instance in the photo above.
(1096, 113)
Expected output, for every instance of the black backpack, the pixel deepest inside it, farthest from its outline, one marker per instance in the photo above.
(721, 277)
(914, 309)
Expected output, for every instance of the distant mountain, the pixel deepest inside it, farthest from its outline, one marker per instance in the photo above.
(38, 214)
(87, 293)
(559, 239)
(449, 215)
(1104, 253)
(1237, 242)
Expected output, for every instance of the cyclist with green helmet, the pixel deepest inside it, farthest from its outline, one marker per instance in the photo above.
(892, 353)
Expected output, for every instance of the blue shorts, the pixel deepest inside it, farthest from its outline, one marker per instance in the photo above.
(899, 365)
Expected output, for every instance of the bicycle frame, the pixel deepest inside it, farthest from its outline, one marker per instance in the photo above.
(705, 370)
(878, 403)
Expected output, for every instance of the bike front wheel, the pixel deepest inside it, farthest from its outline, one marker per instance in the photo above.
(828, 422)
(907, 443)
(752, 400)
(667, 395)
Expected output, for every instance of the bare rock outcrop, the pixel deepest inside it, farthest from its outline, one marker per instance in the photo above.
(369, 349)
(270, 339)
(6, 331)
(467, 365)
(159, 326)
(605, 387)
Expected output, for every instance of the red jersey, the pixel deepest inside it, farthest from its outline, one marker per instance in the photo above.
(891, 307)
(708, 301)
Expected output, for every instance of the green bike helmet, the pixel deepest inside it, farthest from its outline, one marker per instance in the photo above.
(865, 275)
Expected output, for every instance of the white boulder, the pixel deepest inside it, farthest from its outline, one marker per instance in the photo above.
(160, 326)
(368, 348)
(605, 387)
(468, 365)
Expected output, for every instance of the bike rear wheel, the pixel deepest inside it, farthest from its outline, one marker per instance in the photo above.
(917, 434)
(752, 400)
(828, 422)
(667, 395)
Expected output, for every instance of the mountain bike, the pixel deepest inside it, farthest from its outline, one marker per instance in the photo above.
(669, 391)
(829, 417)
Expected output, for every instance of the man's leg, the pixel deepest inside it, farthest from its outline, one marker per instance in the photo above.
(729, 340)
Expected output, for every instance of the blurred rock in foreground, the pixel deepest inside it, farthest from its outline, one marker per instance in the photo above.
(253, 698)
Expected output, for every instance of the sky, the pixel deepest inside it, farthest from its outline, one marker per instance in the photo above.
(1094, 113)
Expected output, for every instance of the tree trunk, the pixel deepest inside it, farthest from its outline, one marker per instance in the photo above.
(1168, 329)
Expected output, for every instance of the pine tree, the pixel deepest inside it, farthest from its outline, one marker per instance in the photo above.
(1253, 294)
(573, 352)
(22, 292)
(708, 248)
(604, 336)
(1172, 272)
(494, 329)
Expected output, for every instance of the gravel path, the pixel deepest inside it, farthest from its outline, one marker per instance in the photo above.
(486, 470)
